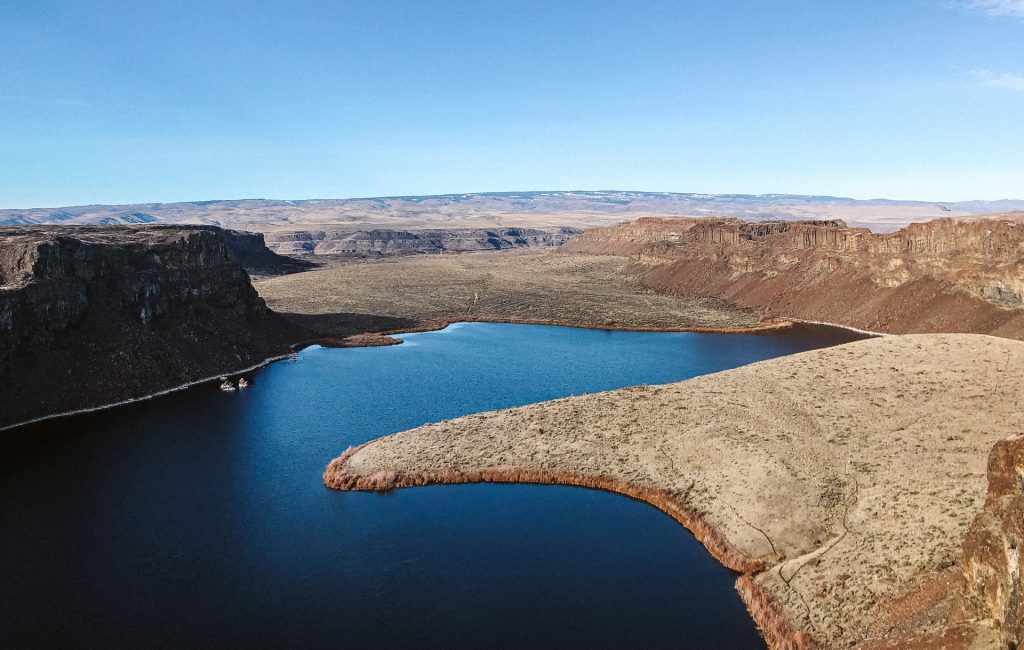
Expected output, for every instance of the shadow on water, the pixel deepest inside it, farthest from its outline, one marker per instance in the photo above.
(825, 335)
(347, 324)
(199, 518)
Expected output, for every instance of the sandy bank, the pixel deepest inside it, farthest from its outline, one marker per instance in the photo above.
(851, 474)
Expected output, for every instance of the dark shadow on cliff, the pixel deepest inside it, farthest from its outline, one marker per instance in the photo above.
(266, 263)
(250, 250)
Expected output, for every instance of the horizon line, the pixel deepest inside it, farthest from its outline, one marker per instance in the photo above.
(520, 192)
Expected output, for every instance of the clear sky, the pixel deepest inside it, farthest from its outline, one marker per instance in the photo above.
(114, 101)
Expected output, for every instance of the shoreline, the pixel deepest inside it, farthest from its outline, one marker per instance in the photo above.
(766, 614)
(764, 326)
(142, 398)
(390, 337)
(848, 328)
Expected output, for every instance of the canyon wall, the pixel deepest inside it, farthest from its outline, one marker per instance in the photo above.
(250, 250)
(398, 242)
(980, 599)
(90, 316)
(939, 276)
(991, 591)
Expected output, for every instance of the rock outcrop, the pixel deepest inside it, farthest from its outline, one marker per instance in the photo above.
(91, 316)
(939, 276)
(399, 242)
(991, 596)
(251, 251)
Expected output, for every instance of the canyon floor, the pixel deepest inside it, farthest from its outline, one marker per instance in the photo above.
(842, 481)
(346, 297)
(845, 484)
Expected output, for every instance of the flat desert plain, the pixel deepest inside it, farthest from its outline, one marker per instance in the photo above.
(346, 297)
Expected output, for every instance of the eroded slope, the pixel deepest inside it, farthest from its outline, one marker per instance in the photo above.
(941, 276)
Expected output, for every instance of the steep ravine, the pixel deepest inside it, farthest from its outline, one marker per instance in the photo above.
(93, 316)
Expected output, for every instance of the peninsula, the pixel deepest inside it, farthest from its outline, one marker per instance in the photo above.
(847, 485)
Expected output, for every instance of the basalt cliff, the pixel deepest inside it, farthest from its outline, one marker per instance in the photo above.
(375, 242)
(93, 316)
(939, 276)
(250, 249)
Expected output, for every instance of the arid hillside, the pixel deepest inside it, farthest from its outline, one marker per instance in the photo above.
(940, 276)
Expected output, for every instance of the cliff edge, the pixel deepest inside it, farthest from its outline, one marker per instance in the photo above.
(381, 241)
(939, 276)
(93, 316)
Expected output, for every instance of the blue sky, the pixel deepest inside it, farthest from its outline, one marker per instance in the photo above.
(119, 101)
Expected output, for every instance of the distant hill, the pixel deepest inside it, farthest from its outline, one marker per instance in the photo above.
(505, 209)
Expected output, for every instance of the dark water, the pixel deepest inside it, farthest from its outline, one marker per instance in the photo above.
(200, 519)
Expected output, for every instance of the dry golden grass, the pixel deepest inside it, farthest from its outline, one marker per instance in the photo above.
(404, 293)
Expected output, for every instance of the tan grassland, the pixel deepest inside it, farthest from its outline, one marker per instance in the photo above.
(346, 297)
(841, 481)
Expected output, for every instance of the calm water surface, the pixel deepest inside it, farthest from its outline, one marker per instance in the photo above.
(200, 519)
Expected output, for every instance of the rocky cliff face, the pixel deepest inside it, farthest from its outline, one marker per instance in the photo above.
(96, 315)
(398, 242)
(943, 275)
(991, 594)
(250, 250)
(979, 601)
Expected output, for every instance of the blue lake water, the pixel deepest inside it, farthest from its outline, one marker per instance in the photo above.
(199, 519)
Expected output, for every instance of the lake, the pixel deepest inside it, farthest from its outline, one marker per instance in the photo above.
(199, 518)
